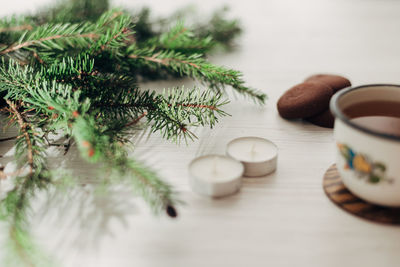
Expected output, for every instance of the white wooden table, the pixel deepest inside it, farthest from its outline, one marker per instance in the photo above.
(280, 220)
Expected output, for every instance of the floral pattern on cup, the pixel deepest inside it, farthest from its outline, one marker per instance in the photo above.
(365, 168)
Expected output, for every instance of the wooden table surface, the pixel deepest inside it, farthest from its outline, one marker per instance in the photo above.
(283, 219)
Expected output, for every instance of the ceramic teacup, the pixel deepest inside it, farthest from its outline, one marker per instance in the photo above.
(368, 161)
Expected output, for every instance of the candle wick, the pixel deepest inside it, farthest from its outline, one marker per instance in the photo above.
(214, 169)
(253, 149)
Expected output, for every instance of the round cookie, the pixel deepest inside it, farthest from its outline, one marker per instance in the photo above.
(336, 82)
(324, 119)
(304, 100)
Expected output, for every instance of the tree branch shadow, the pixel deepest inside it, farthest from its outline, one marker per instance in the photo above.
(81, 213)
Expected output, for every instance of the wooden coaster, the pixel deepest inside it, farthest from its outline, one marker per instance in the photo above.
(342, 197)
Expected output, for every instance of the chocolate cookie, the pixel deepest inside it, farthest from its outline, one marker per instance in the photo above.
(304, 100)
(336, 82)
(324, 119)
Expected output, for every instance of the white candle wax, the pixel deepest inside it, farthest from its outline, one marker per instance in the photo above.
(258, 155)
(215, 175)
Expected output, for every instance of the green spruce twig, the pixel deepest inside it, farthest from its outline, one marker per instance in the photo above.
(74, 71)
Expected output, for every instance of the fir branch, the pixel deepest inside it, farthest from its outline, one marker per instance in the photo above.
(171, 113)
(95, 143)
(69, 69)
(114, 26)
(24, 127)
(22, 250)
(43, 35)
(29, 151)
(74, 11)
(12, 27)
(109, 31)
(74, 71)
(223, 31)
(196, 66)
(181, 39)
(97, 146)
(152, 189)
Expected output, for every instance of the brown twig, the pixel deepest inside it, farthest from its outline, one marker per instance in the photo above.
(188, 105)
(14, 47)
(8, 138)
(20, 249)
(103, 47)
(4, 175)
(195, 106)
(67, 146)
(152, 59)
(177, 35)
(169, 208)
(137, 119)
(23, 125)
(114, 15)
(17, 28)
(35, 55)
(28, 110)
(166, 61)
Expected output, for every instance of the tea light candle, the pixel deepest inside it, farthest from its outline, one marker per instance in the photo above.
(215, 175)
(258, 155)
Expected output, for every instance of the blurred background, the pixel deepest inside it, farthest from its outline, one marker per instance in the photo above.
(295, 38)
